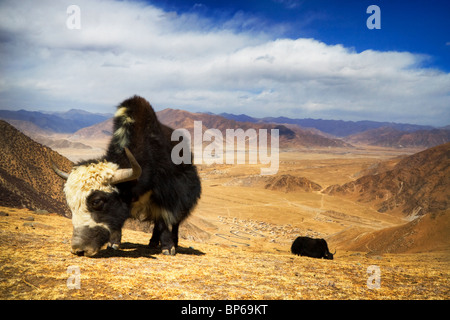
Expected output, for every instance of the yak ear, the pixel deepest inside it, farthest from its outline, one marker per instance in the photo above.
(124, 175)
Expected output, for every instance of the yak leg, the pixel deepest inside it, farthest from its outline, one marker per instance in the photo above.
(154, 241)
(167, 243)
(175, 234)
(115, 239)
(162, 233)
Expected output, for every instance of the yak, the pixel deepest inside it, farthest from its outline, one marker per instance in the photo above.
(136, 178)
(309, 247)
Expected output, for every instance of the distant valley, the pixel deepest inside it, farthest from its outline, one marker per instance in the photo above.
(348, 195)
(408, 187)
(79, 134)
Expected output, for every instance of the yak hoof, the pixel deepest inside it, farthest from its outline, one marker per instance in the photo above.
(115, 246)
(169, 252)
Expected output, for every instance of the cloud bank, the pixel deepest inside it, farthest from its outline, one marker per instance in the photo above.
(191, 62)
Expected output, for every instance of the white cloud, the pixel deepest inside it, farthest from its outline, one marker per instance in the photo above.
(186, 61)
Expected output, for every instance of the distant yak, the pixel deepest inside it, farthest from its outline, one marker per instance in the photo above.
(309, 247)
(103, 193)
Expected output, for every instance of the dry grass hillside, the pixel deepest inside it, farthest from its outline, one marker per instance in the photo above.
(36, 263)
(26, 179)
(430, 232)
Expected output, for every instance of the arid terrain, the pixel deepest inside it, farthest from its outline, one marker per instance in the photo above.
(36, 263)
(236, 244)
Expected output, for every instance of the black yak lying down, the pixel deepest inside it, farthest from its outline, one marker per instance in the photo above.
(309, 247)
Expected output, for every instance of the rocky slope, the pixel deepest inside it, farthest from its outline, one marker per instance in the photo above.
(390, 137)
(427, 233)
(417, 185)
(26, 177)
(280, 182)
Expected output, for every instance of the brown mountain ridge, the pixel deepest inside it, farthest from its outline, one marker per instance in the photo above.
(280, 182)
(427, 233)
(26, 178)
(393, 138)
(417, 185)
(289, 136)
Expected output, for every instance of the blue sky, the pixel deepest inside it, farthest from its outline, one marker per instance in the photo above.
(293, 58)
(421, 27)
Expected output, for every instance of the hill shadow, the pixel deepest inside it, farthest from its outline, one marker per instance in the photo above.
(137, 250)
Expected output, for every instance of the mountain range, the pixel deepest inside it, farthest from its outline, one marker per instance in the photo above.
(338, 128)
(59, 122)
(290, 136)
(394, 138)
(293, 132)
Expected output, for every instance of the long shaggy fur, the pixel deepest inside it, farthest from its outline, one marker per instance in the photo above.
(175, 188)
(82, 180)
(165, 193)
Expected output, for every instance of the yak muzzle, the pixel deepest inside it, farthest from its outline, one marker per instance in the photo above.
(89, 240)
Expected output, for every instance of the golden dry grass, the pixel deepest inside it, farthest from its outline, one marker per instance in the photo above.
(235, 246)
(35, 256)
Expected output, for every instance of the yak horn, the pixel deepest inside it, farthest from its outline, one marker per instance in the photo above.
(124, 175)
(334, 252)
(60, 173)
